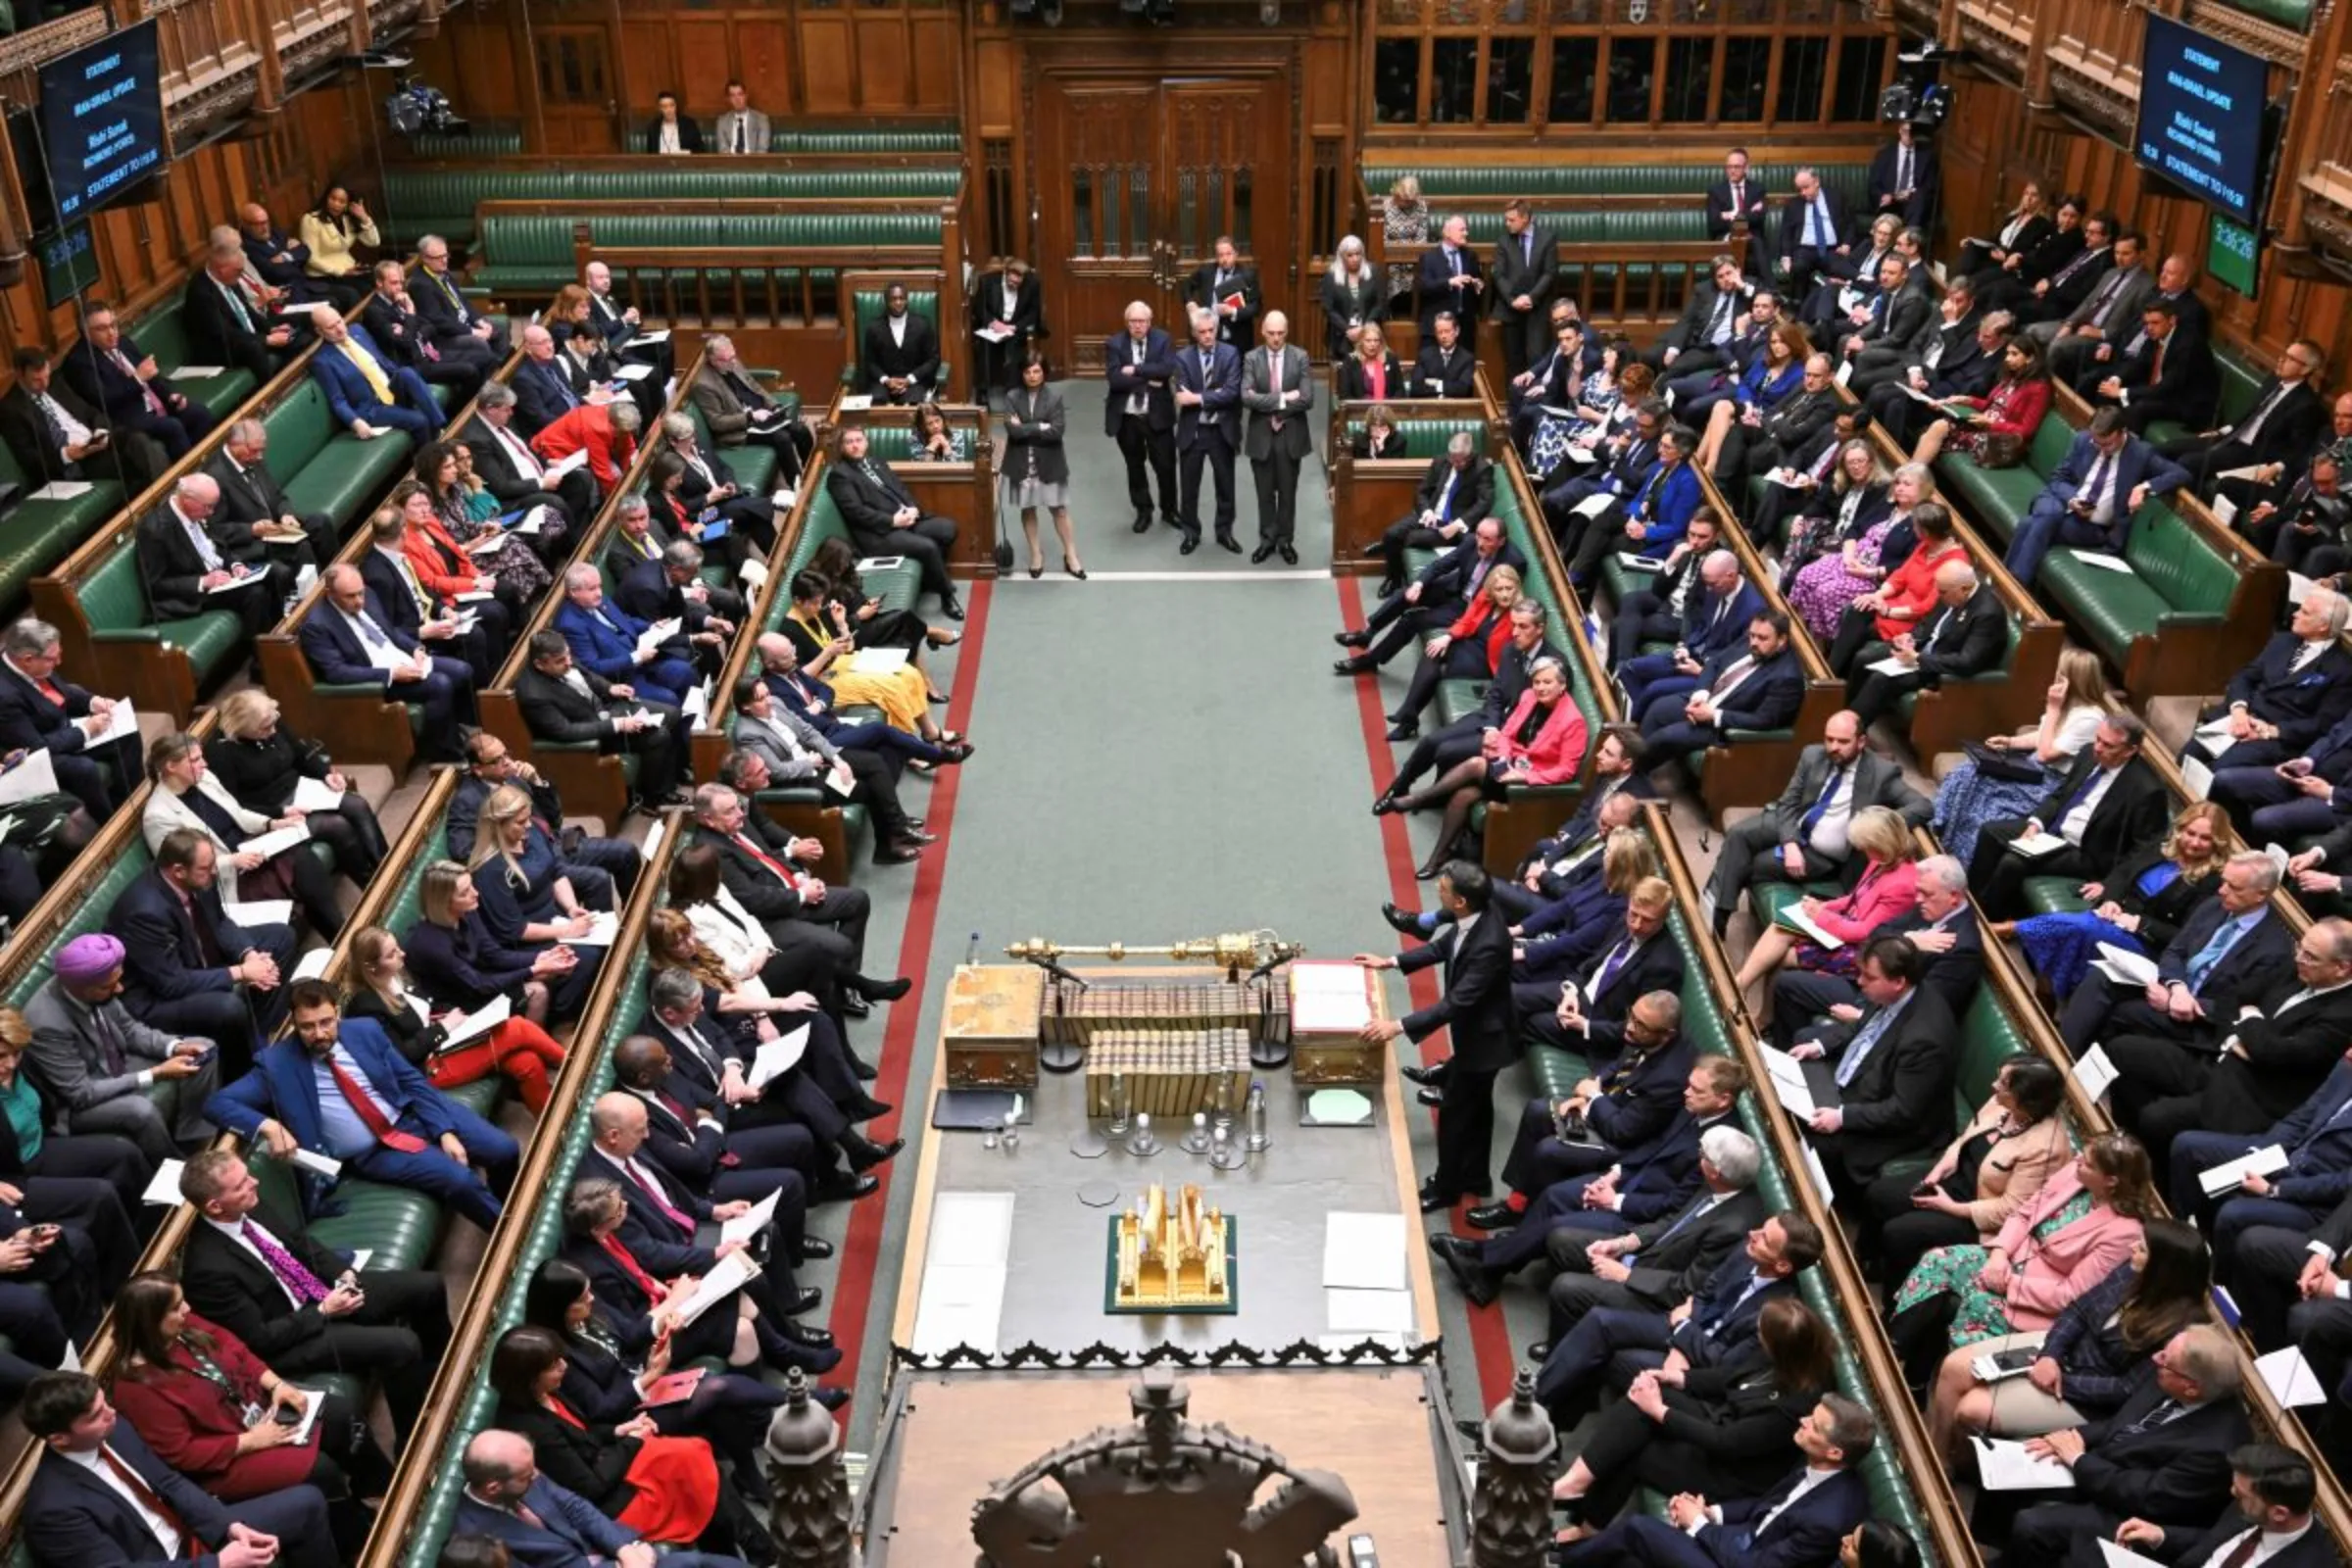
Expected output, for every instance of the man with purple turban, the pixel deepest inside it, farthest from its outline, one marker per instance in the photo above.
(107, 1072)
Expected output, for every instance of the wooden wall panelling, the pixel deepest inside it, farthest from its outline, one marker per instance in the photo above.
(885, 81)
(828, 64)
(760, 53)
(701, 51)
(935, 49)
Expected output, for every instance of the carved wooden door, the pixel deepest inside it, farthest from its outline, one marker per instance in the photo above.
(1139, 174)
(578, 92)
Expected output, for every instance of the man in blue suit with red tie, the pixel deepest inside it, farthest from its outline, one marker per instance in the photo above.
(363, 388)
(544, 1526)
(1797, 1524)
(604, 638)
(100, 1497)
(340, 1088)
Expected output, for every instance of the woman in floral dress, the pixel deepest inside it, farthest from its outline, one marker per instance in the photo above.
(1819, 592)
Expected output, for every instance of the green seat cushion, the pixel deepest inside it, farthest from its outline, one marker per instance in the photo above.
(42, 532)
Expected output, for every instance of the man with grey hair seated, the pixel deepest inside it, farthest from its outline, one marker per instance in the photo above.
(671, 588)
(739, 412)
(2293, 693)
(2233, 950)
(541, 1524)
(187, 572)
(40, 709)
(232, 317)
(1819, 1005)
(511, 470)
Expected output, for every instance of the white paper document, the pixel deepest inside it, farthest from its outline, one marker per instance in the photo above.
(284, 838)
(878, 661)
(1632, 562)
(752, 1221)
(1364, 1252)
(163, 1190)
(753, 573)
(313, 963)
(852, 402)
(496, 1011)
(563, 466)
(1594, 506)
(604, 929)
(1892, 665)
(777, 1058)
(312, 1160)
(2197, 776)
(2005, 1466)
(632, 372)
(1368, 1312)
(2103, 561)
(874, 563)
(2133, 969)
(697, 704)
(2222, 1178)
(2094, 1073)
(731, 1274)
(2291, 1378)
(654, 635)
(1845, 372)
(36, 775)
(230, 584)
(993, 332)
(60, 490)
(197, 373)
(1788, 1084)
(658, 334)
(1796, 915)
(315, 795)
(121, 725)
(261, 912)
(314, 1400)
(487, 544)
(653, 842)
(1329, 998)
(2037, 843)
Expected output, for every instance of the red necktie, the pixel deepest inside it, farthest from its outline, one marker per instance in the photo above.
(652, 1189)
(653, 1288)
(50, 691)
(2243, 1552)
(364, 1105)
(2156, 362)
(784, 873)
(148, 1496)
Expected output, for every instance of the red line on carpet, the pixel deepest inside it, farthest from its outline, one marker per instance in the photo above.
(853, 1284)
(1490, 1337)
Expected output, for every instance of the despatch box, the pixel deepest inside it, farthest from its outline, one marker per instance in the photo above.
(992, 1025)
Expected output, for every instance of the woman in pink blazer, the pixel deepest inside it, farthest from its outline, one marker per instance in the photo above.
(1543, 742)
(1887, 890)
(2076, 1230)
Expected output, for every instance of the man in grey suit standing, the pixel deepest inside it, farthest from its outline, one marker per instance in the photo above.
(98, 1064)
(742, 130)
(1278, 391)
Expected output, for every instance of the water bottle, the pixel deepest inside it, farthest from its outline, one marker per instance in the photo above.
(1118, 1104)
(1257, 1140)
(1012, 1130)
(1196, 1142)
(971, 951)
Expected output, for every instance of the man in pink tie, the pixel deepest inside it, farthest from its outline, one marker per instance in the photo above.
(108, 369)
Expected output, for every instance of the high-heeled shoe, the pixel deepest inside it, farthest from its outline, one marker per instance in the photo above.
(1078, 572)
(1427, 870)
(1036, 572)
(1387, 804)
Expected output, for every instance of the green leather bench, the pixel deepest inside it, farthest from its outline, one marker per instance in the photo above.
(2000, 498)
(2240, 380)
(114, 600)
(42, 532)
(160, 333)
(443, 201)
(865, 308)
(531, 252)
(944, 140)
(2178, 580)
(483, 138)
(324, 468)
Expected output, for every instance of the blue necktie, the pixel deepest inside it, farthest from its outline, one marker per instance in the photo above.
(2211, 953)
(1700, 1204)
(1862, 1044)
(1821, 807)
(2081, 794)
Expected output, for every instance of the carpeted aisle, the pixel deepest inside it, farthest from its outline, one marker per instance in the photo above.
(1164, 752)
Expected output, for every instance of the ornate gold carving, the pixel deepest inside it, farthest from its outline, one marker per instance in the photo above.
(38, 46)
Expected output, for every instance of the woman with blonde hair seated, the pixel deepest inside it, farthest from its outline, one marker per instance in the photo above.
(1371, 371)
(418, 1024)
(186, 794)
(261, 764)
(1887, 890)
(1472, 648)
(455, 959)
(1968, 797)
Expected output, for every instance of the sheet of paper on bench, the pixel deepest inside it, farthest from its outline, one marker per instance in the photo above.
(2005, 1466)
(488, 1016)
(261, 912)
(777, 1058)
(604, 929)
(315, 795)
(1328, 998)
(312, 1160)
(313, 963)
(2105, 562)
(632, 372)
(60, 490)
(1590, 505)
(658, 334)
(563, 466)
(1634, 563)
(2094, 1073)
(1364, 1252)
(752, 1221)
(163, 1190)
(284, 838)
(1892, 665)
(878, 661)
(729, 1275)
(36, 775)
(2037, 843)
(197, 373)
(1788, 1084)
(2132, 968)
(2291, 1380)
(2197, 776)
(873, 564)
(2225, 1176)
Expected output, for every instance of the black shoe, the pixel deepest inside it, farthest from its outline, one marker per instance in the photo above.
(1461, 1256)
(1492, 1216)
(808, 1301)
(900, 853)
(854, 1005)
(1541, 1351)
(914, 838)
(1261, 554)
(866, 1072)
(1036, 572)
(1352, 639)
(952, 607)
(1226, 541)
(1388, 804)
(1429, 1076)
(841, 1187)
(916, 823)
(1429, 1097)
(867, 1108)
(1352, 665)
(1290, 557)
(814, 1246)
(1434, 1202)
(864, 1154)
(1191, 542)
(1429, 873)
(1404, 920)
(1405, 729)
(884, 990)
(1171, 519)
(831, 1398)
(1143, 523)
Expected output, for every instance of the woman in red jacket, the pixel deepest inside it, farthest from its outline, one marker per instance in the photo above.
(210, 1411)
(440, 562)
(1907, 596)
(1471, 649)
(1543, 742)
(2014, 406)
(1887, 890)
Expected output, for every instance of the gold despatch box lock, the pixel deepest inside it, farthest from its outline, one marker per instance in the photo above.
(992, 1026)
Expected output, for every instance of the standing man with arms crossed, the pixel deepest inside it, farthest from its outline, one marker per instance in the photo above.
(1139, 413)
(1277, 390)
(1208, 428)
